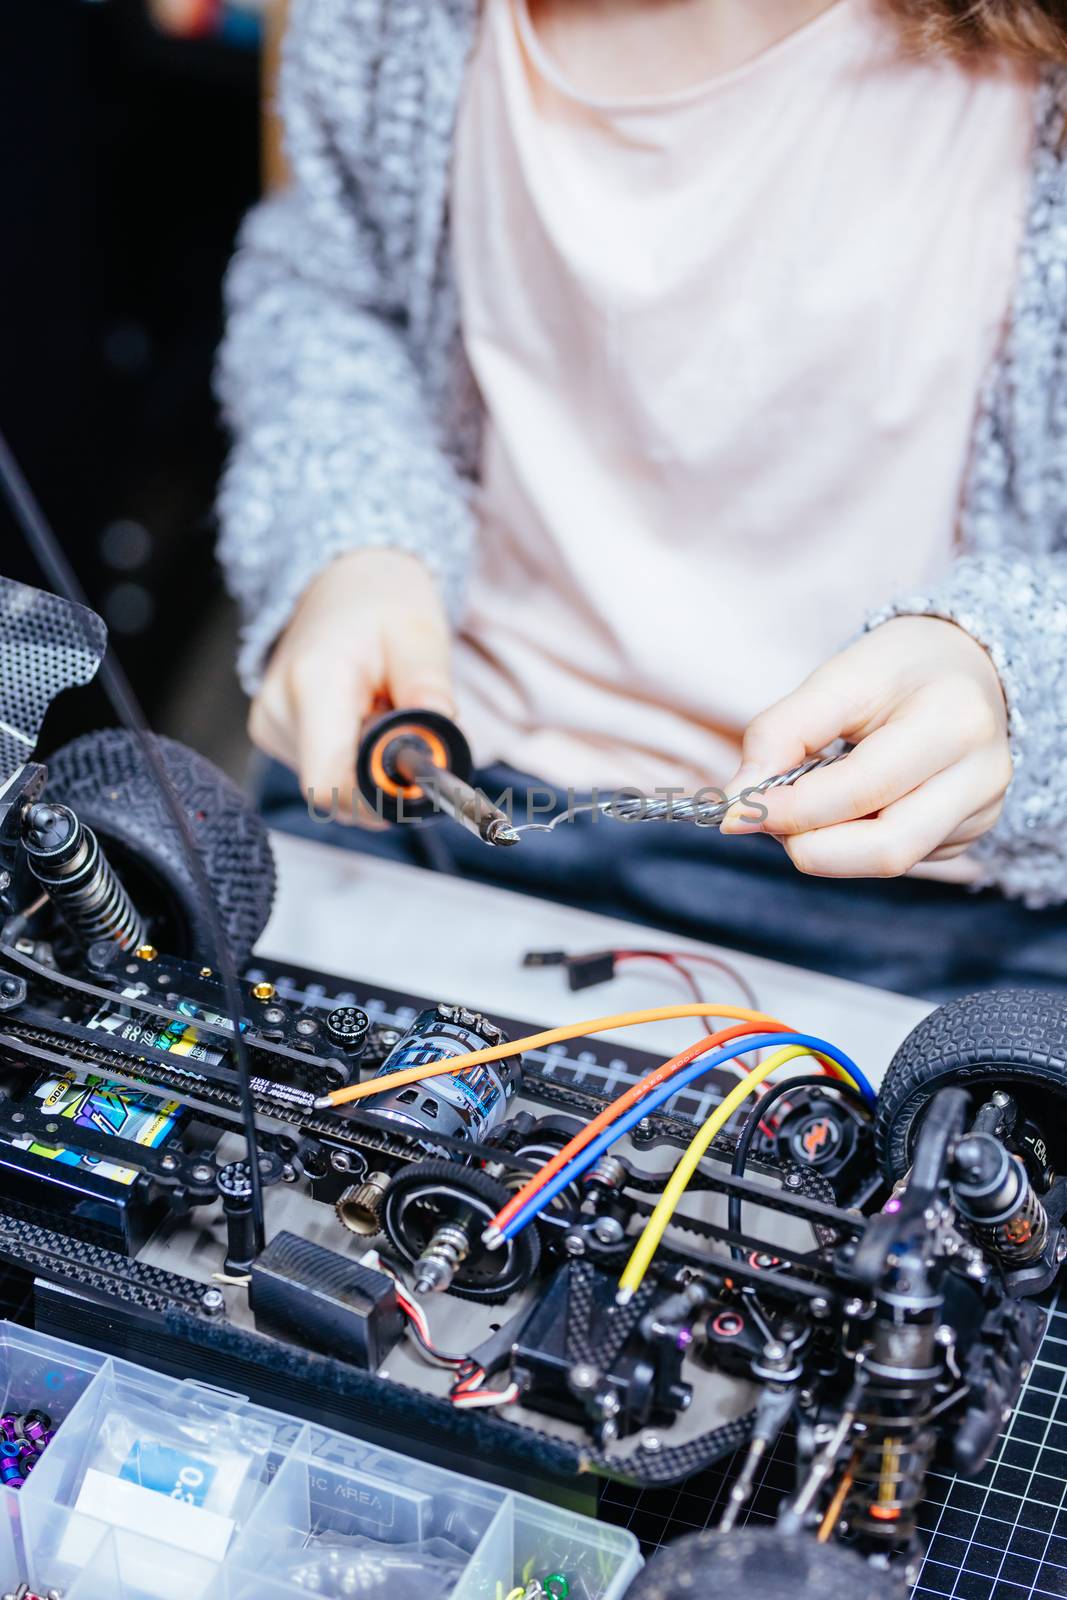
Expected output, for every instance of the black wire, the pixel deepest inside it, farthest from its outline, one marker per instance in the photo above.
(432, 1350)
(53, 563)
(752, 1122)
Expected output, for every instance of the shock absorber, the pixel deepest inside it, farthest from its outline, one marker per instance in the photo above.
(993, 1191)
(901, 1370)
(65, 857)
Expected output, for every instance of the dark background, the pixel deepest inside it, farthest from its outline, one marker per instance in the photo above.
(127, 159)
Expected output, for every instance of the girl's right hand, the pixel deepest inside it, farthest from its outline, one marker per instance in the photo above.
(371, 628)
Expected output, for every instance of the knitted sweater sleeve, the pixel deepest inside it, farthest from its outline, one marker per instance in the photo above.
(335, 443)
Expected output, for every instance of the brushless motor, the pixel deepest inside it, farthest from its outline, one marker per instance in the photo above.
(463, 1105)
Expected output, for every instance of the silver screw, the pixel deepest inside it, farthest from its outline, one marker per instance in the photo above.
(168, 1163)
(608, 1230)
(650, 1441)
(212, 1300)
(574, 1244)
(203, 1173)
(582, 1376)
(341, 1161)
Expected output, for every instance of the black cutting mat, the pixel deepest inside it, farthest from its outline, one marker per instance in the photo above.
(1001, 1536)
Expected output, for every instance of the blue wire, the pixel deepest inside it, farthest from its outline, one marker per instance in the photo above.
(696, 1069)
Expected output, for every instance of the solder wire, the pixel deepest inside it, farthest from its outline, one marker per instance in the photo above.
(550, 1036)
(656, 1226)
(807, 1044)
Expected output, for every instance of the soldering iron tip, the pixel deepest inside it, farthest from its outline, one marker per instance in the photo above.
(623, 1297)
(500, 831)
(323, 1103)
(492, 1239)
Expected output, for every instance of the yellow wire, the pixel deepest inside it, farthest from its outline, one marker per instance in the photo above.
(656, 1226)
(541, 1041)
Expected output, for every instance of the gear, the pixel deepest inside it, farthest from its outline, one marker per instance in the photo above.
(435, 1198)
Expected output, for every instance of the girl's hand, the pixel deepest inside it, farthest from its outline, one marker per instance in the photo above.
(370, 628)
(921, 701)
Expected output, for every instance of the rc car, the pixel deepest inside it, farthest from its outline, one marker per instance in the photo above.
(399, 1214)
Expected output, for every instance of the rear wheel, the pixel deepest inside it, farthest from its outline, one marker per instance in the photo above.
(103, 777)
(1011, 1039)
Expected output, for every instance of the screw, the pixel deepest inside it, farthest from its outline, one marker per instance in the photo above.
(853, 1307)
(51, 1127)
(212, 1301)
(650, 1441)
(168, 1163)
(18, 1116)
(273, 1014)
(582, 1376)
(340, 1161)
(820, 1307)
(792, 1180)
(307, 1026)
(202, 1173)
(574, 1244)
(608, 1230)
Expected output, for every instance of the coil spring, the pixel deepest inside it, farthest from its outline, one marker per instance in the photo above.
(889, 1481)
(65, 857)
(609, 1172)
(1020, 1238)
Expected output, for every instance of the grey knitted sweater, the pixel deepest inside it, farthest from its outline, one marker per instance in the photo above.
(356, 420)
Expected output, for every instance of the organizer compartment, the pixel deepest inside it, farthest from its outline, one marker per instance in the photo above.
(44, 1374)
(152, 1461)
(159, 1489)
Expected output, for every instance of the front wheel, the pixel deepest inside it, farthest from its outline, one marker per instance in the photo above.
(762, 1564)
(105, 780)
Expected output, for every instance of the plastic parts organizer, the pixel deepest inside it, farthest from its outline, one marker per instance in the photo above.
(159, 1489)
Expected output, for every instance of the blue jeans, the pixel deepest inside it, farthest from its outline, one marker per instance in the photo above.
(917, 937)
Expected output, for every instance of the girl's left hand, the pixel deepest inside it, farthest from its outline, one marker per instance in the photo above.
(921, 702)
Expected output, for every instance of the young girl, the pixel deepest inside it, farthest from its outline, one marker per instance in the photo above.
(704, 362)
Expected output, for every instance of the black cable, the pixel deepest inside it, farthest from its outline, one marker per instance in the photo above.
(752, 1122)
(54, 564)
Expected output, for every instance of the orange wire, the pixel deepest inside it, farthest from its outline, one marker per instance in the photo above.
(541, 1041)
(604, 1118)
(834, 1509)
